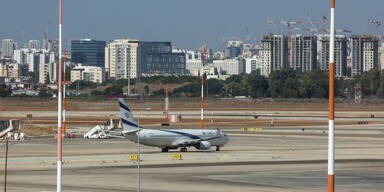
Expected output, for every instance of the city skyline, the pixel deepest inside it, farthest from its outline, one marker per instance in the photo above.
(187, 25)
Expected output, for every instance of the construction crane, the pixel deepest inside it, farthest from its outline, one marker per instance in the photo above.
(326, 30)
(288, 24)
(223, 38)
(377, 23)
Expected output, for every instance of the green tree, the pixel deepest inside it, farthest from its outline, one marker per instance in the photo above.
(4, 91)
(193, 89)
(44, 93)
(254, 85)
(234, 78)
(314, 84)
(146, 89)
(113, 90)
(214, 86)
(370, 82)
(284, 83)
(234, 89)
(159, 93)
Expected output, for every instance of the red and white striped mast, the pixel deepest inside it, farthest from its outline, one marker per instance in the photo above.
(64, 102)
(59, 110)
(202, 91)
(166, 104)
(331, 125)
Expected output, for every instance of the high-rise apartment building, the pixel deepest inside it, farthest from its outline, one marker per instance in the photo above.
(381, 56)
(89, 52)
(18, 56)
(303, 55)
(341, 53)
(364, 54)
(8, 46)
(122, 59)
(34, 44)
(273, 53)
(32, 60)
(47, 67)
(158, 58)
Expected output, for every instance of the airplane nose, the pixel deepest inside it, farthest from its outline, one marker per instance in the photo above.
(226, 139)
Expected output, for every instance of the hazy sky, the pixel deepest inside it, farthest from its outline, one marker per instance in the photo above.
(186, 23)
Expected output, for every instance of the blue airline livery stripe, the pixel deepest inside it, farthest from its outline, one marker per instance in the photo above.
(182, 133)
(123, 106)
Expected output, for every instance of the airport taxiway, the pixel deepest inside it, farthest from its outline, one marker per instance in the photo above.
(248, 162)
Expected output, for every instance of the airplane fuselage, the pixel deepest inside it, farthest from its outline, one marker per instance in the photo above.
(170, 138)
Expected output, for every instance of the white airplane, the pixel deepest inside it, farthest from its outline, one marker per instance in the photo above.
(170, 138)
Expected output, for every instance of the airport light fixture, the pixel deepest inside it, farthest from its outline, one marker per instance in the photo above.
(202, 92)
(331, 123)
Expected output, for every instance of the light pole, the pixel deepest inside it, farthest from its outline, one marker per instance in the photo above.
(331, 123)
(59, 107)
(129, 80)
(6, 164)
(138, 154)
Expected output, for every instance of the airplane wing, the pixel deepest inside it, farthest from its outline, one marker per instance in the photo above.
(130, 131)
(189, 142)
(116, 136)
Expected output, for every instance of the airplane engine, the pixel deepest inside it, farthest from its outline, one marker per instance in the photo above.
(204, 145)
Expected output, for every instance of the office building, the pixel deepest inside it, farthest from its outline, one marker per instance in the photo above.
(88, 73)
(233, 49)
(89, 52)
(230, 66)
(273, 53)
(232, 52)
(122, 59)
(193, 62)
(158, 58)
(303, 56)
(340, 54)
(252, 64)
(364, 54)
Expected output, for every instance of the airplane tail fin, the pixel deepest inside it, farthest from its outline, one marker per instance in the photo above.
(129, 123)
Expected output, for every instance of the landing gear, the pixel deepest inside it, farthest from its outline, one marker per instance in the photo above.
(183, 149)
(164, 149)
(217, 148)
